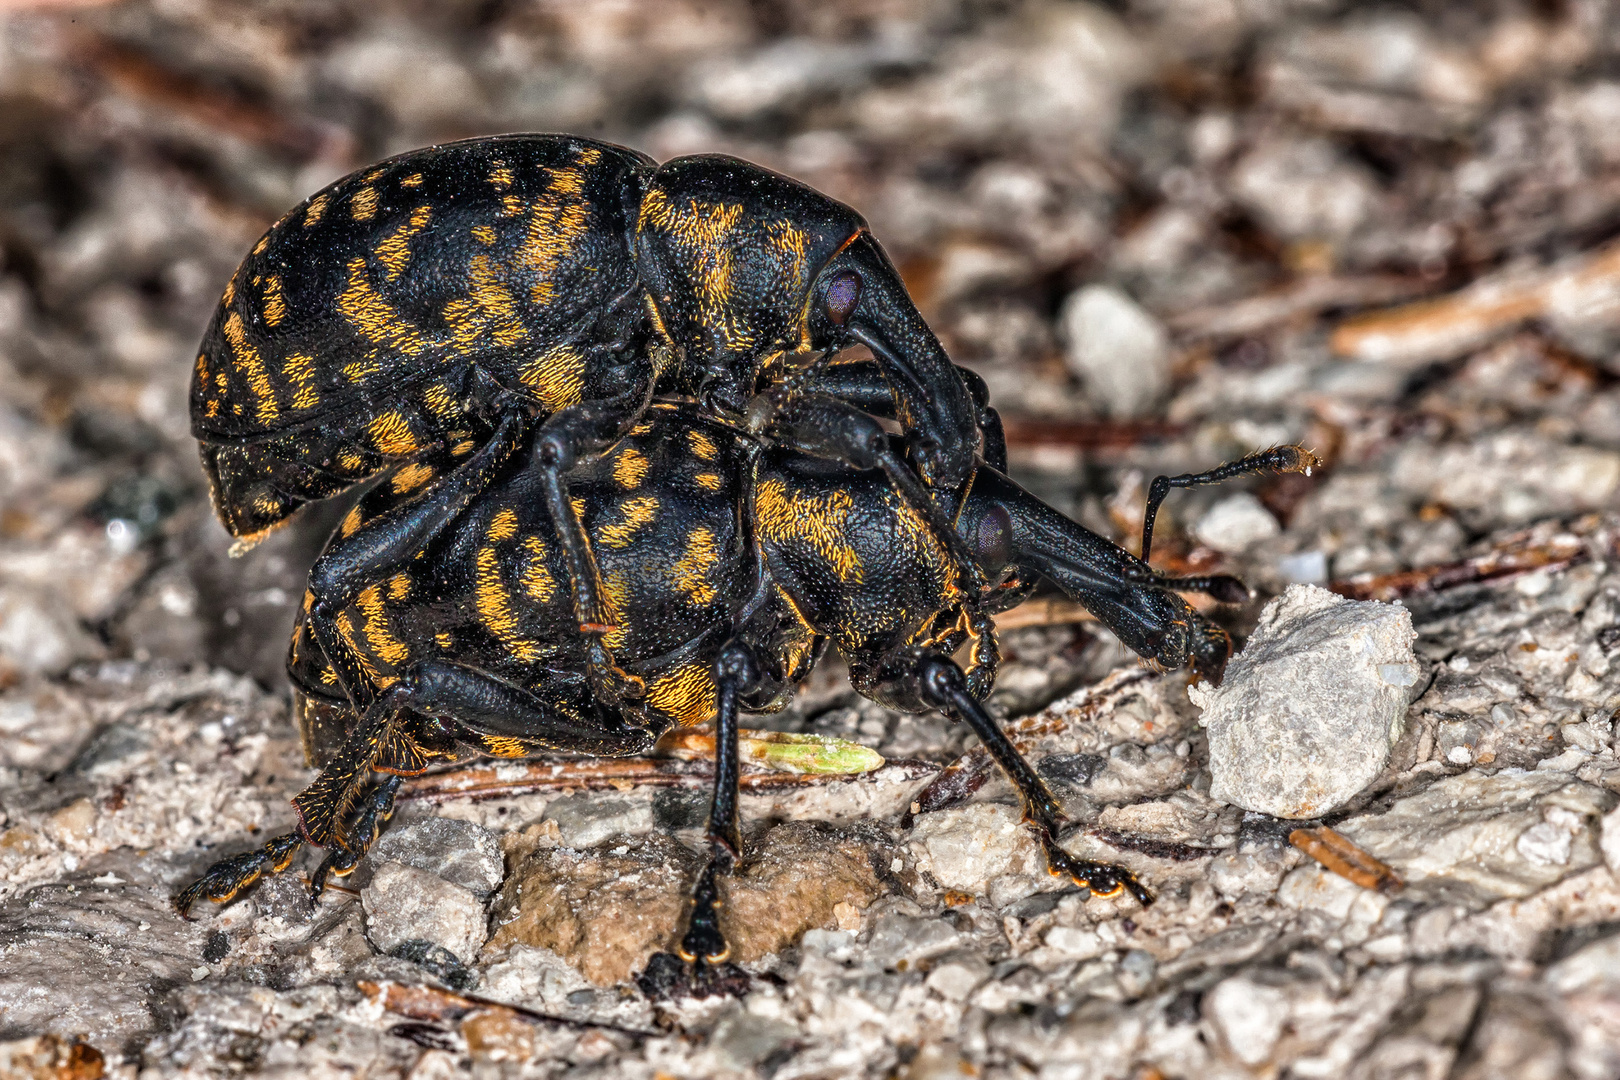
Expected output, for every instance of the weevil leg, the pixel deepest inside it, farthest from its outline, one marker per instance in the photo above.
(222, 881)
(861, 384)
(479, 706)
(379, 546)
(376, 810)
(1007, 525)
(985, 659)
(562, 442)
(736, 675)
(1278, 459)
(936, 680)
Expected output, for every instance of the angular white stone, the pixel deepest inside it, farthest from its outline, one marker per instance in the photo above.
(587, 819)
(966, 847)
(1248, 1015)
(403, 904)
(1310, 708)
(1481, 837)
(1234, 523)
(1119, 351)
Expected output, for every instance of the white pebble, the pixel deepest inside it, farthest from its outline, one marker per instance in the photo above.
(1310, 708)
(1118, 350)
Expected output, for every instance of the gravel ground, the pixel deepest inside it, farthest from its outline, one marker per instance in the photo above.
(1167, 232)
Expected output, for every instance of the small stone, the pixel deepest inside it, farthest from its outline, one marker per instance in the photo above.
(900, 941)
(498, 1035)
(954, 978)
(1078, 942)
(1235, 523)
(966, 847)
(1591, 967)
(1310, 708)
(73, 825)
(438, 961)
(1248, 1015)
(39, 633)
(602, 910)
(116, 747)
(404, 903)
(1305, 189)
(535, 977)
(1304, 568)
(1461, 837)
(1118, 350)
(742, 1040)
(801, 875)
(585, 820)
(1136, 970)
(1239, 873)
(1611, 840)
(460, 852)
(607, 910)
(1548, 843)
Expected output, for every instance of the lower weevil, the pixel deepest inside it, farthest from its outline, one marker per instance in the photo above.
(730, 558)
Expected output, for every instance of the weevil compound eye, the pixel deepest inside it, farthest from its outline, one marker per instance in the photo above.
(843, 293)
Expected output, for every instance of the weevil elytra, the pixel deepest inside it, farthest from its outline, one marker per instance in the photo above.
(730, 559)
(453, 299)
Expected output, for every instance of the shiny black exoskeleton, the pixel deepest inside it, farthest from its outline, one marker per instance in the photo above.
(729, 558)
(445, 302)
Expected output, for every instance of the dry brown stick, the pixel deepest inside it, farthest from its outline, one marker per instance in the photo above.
(1506, 562)
(137, 75)
(418, 1001)
(1451, 325)
(1304, 297)
(1026, 432)
(1043, 611)
(1335, 852)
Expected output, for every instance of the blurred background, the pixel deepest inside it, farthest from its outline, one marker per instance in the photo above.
(1166, 232)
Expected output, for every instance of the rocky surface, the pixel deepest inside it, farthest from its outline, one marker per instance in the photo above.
(1167, 233)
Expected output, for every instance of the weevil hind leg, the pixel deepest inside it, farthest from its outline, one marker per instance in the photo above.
(383, 544)
(931, 678)
(376, 809)
(228, 877)
(567, 438)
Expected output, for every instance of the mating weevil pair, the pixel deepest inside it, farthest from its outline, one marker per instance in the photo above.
(451, 298)
(508, 597)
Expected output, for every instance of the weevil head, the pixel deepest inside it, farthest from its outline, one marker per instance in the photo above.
(744, 264)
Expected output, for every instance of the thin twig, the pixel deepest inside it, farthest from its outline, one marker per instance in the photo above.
(1337, 853)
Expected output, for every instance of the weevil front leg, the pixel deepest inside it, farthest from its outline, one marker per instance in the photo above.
(379, 547)
(923, 676)
(703, 945)
(376, 811)
(563, 441)
(861, 383)
(828, 428)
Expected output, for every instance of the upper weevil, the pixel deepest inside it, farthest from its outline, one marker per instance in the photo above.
(450, 298)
